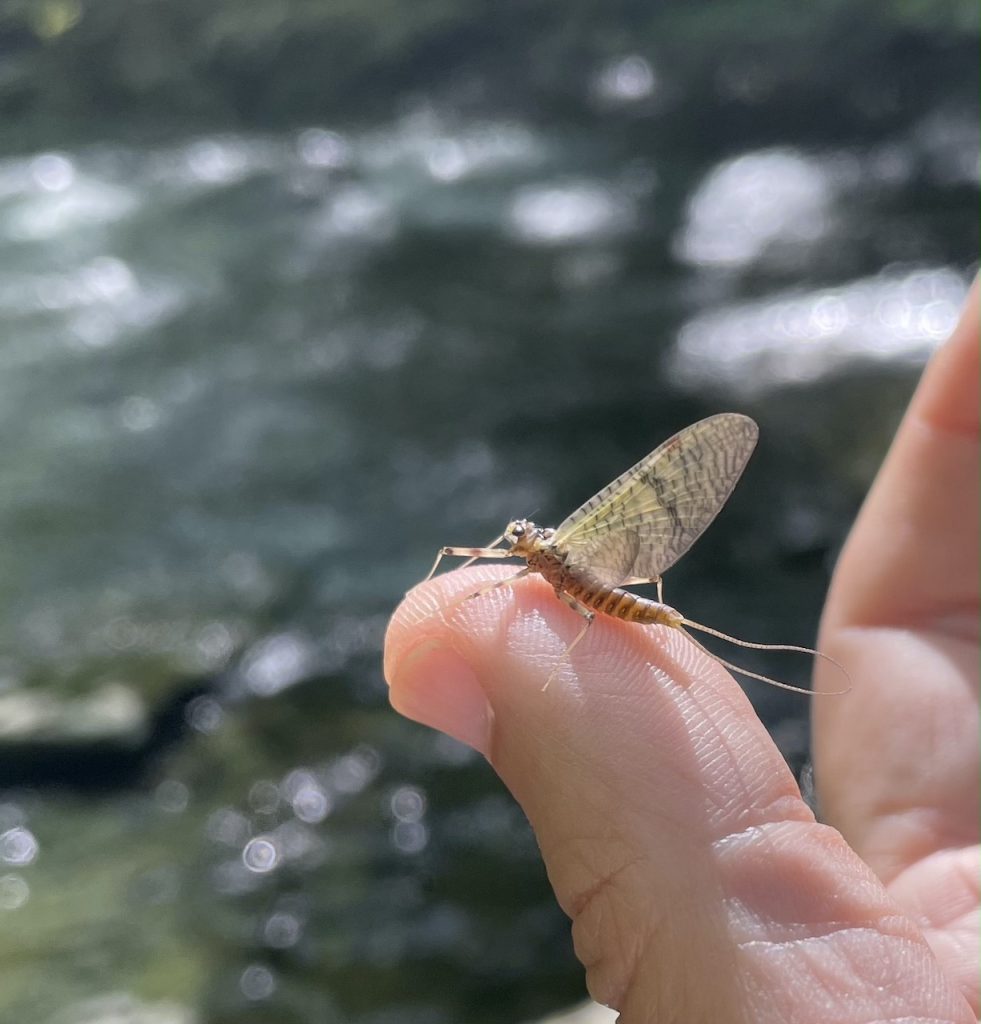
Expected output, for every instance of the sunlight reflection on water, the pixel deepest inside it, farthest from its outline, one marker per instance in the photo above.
(561, 213)
(14, 892)
(243, 374)
(799, 337)
(625, 80)
(753, 201)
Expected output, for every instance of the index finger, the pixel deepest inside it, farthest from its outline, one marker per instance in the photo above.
(672, 830)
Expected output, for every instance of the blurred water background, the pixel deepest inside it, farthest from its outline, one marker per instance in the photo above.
(294, 291)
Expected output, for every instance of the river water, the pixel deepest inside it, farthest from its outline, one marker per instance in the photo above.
(250, 382)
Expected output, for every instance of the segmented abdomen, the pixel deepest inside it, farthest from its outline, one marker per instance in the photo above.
(621, 604)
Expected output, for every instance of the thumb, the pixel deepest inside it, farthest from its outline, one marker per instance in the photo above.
(699, 885)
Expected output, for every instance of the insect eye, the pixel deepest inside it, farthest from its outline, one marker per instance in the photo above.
(517, 531)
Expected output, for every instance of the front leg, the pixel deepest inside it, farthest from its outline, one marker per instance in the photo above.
(470, 553)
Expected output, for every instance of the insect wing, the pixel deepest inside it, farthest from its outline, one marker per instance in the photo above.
(639, 525)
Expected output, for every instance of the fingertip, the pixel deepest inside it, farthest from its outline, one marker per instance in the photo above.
(431, 652)
(436, 610)
(435, 686)
(947, 397)
(475, 669)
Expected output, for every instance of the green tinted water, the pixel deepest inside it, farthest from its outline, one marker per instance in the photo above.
(249, 383)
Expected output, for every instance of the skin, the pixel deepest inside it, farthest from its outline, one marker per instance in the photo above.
(699, 884)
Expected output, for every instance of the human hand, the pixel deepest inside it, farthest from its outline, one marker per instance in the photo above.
(700, 886)
(898, 761)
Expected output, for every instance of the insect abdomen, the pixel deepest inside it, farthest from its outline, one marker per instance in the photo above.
(621, 604)
(652, 612)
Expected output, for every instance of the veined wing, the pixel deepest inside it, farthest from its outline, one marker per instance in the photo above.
(639, 525)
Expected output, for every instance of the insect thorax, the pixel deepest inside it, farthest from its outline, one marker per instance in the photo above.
(550, 562)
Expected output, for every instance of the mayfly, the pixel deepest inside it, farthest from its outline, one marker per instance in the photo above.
(634, 530)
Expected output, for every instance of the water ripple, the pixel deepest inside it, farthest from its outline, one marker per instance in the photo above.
(799, 337)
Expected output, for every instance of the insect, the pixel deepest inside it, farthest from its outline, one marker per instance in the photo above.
(634, 530)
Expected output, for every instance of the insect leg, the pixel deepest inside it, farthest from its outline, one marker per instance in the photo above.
(497, 584)
(588, 615)
(487, 588)
(471, 554)
(639, 581)
(488, 547)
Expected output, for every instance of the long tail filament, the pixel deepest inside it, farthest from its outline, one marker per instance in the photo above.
(765, 647)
